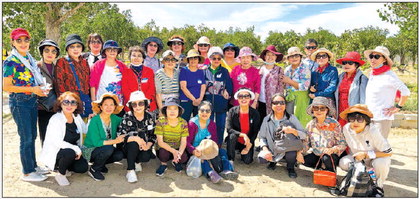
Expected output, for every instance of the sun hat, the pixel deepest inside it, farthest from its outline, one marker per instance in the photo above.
(215, 50)
(19, 32)
(294, 51)
(152, 39)
(194, 53)
(169, 43)
(167, 53)
(321, 101)
(382, 50)
(321, 50)
(48, 42)
(352, 56)
(72, 39)
(245, 51)
(360, 108)
(231, 45)
(244, 89)
(96, 104)
(203, 40)
(111, 44)
(172, 102)
(137, 96)
(272, 49)
(208, 149)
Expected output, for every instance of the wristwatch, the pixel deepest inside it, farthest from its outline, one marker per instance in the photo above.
(398, 106)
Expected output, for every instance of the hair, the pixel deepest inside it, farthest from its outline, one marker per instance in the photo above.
(355, 114)
(180, 37)
(205, 103)
(94, 36)
(103, 100)
(136, 49)
(146, 106)
(283, 97)
(164, 111)
(57, 105)
(311, 41)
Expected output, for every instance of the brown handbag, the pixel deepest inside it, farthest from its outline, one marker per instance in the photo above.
(325, 178)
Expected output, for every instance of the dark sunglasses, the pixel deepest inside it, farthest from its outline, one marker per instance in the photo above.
(193, 58)
(68, 102)
(153, 45)
(52, 51)
(230, 49)
(294, 56)
(316, 108)
(96, 42)
(278, 102)
(311, 47)
(348, 62)
(177, 43)
(213, 59)
(244, 96)
(19, 41)
(205, 110)
(359, 119)
(324, 56)
(169, 60)
(134, 104)
(376, 56)
(203, 45)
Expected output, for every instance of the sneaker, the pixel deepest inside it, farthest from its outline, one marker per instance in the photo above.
(104, 169)
(291, 173)
(34, 177)
(131, 176)
(177, 166)
(96, 175)
(160, 171)
(68, 173)
(229, 175)
(214, 177)
(138, 167)
(61, 180)
(271, 166)
(41, 170)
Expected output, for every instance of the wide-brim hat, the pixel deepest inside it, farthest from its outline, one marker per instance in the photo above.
(360, 108)
(321, 50)
(152, 39)
(137, 96)
(272, 49)
(215, 50)
(48, 42)
(72, 39)
(352, 56)
(235, 48)
(111, 44)
(208, 149)
(294, 51)
(167, 53)
(194, 53)
(246, 51)
(203, 40)
(19, 32)
(173, 102)
(96, 104)
(382, 50)
(169, 43)
(322, 101)
(252, 94)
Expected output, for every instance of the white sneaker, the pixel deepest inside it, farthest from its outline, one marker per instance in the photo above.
(61, 179)
(34, 177)
(42, 170)
(138, 167)
(131, 176)
(68, 173)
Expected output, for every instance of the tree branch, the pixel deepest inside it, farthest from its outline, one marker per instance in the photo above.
(69, 13)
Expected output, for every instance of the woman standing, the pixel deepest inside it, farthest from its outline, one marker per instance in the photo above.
(167, 79)
(230, 51)
(152, 46)
(95, 44)
(23, 80)
(202, 46)
(176, 43)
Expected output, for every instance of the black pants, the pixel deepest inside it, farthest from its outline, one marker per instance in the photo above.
(43, 119)
(291, 159)
(134, 155)
(104, 155)
(66, 161)
(232, 145)
(262, 109)
(311, 160)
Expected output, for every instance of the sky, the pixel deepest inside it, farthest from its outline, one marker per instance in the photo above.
(265, 17)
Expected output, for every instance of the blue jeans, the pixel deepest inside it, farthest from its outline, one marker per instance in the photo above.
(220, 163)
(25, 114)
(189, 109)
(220, 120)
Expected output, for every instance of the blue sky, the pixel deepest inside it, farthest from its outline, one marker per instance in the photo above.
(336, 17)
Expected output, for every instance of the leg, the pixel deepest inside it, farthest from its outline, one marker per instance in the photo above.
(224, 159)
(65, 159)
(34, 118)
(327, 160)
(231, 146)
(132, 150)
(384, 126)
(194, 111)
(183, 158)
(310, 160)
(79, 166)
(382, 168)
(43, 118)
(262, 110)
(291, 158)
(100, 156)
(248, 158)
(164, 156)
(187, 106)
(220, 120)
(345, 161)
(144, 156)
(116, 156)
(217, 164)
(206, 168)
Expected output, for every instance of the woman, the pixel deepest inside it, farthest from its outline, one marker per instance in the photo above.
(245, 75)
(279, 120)
(176, 43)
(101, 136)
(200, 128)
(152, 46)
(23, 80)
(138, 127)
(324, 136)
(72, 72)
(192, 85)
(243, 123)
(310, 47)
(352, 83)
(95, 44)
(381, 89)
(297, 77)
(366, 142)
(49, 51)
(167, 79)
(171, 131)
(202, 46)
(219, 90)
(144, 76)
(271, 79)
(324, 79)
(63, 141)
(230, 52)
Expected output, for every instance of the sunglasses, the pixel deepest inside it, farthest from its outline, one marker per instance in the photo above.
(323, 56)
(294, 56)
(19, 41)
(213, 59)
(376, 56)
(278, 103)
(203, 45)
(359, 119)
(244, 96)
(153, 45)
(75, 46)
(316, 108)
(48, 51)
(134, 104)
(68, 102)
(179, 43)
(193, 58)
(230, 49)
(205, 110)
(311, 47)
(348, 62)
(96, 42)
(113, 50)
(169, 60)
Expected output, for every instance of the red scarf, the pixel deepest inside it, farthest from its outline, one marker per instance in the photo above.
(382, 69)
(321, 69)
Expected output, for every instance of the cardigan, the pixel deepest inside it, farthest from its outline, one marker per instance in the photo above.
(216, 84)
(54, 138)
(145, 83)
(193, 130)
(96, 135)
(233, 122)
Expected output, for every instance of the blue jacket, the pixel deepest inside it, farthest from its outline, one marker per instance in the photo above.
(326, 82)
(216, 84)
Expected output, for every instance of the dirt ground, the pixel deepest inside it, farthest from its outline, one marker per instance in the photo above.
(254, 180)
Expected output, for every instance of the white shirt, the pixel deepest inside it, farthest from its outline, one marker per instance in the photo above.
(264, 72)
(110, 81)
(91, 58)
(369, 139)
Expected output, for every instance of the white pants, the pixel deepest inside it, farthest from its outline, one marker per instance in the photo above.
(384, 126)
(380, 165)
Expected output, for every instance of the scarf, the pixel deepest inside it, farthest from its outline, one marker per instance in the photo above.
(321, 69)
(380, 69)
(31, 65)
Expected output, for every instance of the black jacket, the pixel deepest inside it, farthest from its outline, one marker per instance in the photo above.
(233, 122)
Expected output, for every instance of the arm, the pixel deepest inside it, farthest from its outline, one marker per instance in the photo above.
(340, 145)
(159, 99)
(93, 93)
(203, 89)
(57, 138)
(229, 123)
(164, 145)
(182, 145)
(183, 87)
(192, 132)
(331, 88)
(9, 87)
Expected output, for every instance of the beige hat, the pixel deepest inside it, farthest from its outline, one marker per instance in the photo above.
(360, 108)
(322, 101)
(214, 51)
(96, 104)
(194, 53)
(203, 40)
(321, 50)
(208, 148)
(382, 50)
(294, 51)
(168, 53)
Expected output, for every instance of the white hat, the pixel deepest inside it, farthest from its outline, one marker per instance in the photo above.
(215, 50)
(167, 53)
(252, 94)
(382, 50)
(137, 96)
(203, 40)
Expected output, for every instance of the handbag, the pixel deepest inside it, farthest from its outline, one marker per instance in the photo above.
(285, 142)
(87, 102)
(322, 177)
(47, 103)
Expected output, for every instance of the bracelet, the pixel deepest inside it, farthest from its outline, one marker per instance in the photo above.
(371, 154)
(398, 106)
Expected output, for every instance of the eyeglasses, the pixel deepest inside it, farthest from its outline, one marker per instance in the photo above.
(244, 96)
(153, 45)
(48, 51)
(205, 110)
(134, 104)
(179, 43)
(193, 58)
(214, 58)
(169, 60)
(113, 50)
(278, 103)
(96, 42)
(348, 62)
(294, 56)
(311, 47)
(357, 118)
(19, 41)
(75, 46)
(317, 108)
(68, 102)
(203, 45)
(230, 49)
(376, 56)
(323, 56)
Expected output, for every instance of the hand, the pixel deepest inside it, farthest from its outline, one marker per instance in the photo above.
(360, 156)
(197, 153)
(390, 111)
(246, 140)
(300, 157)
(119, 139)
(38, 91)
(312, 89)
(226, 95)
(286, 79)
(269, 157)
(329, 151)
(254, 104)
(290, 130)
(311, 95)
(195, 102)
(176, 156)
(78, 156)
(91, 115)
(146, 147)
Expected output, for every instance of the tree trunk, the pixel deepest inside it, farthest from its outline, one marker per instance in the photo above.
(52, 27)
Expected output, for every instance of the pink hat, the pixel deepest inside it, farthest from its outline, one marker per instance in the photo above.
(272, 49)
(19, 32)
(352, 56)
(245, 51)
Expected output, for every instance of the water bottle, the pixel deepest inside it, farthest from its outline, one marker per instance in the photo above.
(371, 171)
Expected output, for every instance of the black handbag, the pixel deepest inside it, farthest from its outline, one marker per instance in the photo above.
(47, 103)
(87, 101)
(285, 142)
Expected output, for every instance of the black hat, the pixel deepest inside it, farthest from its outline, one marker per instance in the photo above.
(48, 42)
(152, 39)
(72, 39)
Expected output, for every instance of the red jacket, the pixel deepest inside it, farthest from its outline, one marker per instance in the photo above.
(147, 86)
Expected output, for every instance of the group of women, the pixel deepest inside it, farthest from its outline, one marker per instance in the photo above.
(175, 103)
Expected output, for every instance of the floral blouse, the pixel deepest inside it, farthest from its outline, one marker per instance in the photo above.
(144, 129)
(22, 76)
(273, 85)
(302, 75)
(327, 135)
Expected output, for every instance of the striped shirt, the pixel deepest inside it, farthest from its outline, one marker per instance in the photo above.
(168, 87)
(172, 135)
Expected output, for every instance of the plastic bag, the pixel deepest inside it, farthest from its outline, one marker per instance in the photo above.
(193, 168)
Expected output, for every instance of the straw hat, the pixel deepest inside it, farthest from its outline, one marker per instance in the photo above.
(360, 108)
(167, 53)
(194, 53)
(208, 148)
(203, 40)
(294, 51)
(321, 50)
(96, 104)
(382, 50)
(322, 101)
